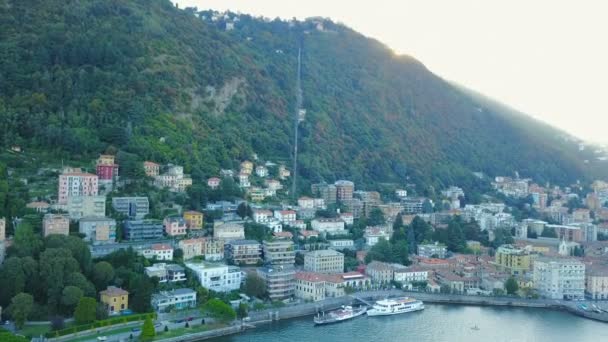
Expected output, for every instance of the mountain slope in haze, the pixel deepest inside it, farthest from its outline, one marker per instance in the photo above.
(156, 82)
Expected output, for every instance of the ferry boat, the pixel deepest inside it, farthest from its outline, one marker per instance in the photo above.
(342, 314)
(395, 306)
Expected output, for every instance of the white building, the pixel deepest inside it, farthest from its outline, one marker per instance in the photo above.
(217, 277)
(341, 244)
(373, 235)
(435, 250)
(287, 217)
(328, 225)
(559, 278)
(408, 275)
(166, 272)
(229, 231)
(160, 251)
(262, 216)
(348, 218)
(176, 299)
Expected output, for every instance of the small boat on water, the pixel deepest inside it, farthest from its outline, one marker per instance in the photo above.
(342, 314)
(395, 306)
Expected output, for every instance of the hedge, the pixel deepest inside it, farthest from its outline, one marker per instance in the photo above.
(99, 324)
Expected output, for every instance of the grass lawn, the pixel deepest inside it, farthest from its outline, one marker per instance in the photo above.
(185, 331)
(108, 333)
(37, 330)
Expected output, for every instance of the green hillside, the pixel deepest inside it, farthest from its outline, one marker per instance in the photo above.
(81, 77)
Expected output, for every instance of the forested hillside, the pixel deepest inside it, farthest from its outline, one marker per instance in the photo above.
(156, 82)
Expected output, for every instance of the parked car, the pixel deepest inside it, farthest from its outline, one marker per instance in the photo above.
(102, 338)
(136, 329)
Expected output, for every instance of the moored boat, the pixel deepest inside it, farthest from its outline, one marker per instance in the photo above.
(395, 306)
(342, 314)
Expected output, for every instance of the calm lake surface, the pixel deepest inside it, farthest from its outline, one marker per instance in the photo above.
(437, 323)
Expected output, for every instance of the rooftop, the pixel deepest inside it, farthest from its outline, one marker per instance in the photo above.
(114, 291)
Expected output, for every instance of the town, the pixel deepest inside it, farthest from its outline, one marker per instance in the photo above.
(253, 246)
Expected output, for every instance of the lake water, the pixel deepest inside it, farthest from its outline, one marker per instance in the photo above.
(437, 323)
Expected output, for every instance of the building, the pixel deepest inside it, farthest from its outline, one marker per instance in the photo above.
(409, 275)
(213, 249)
(174, 179)
(74, 182)
(175, 226)
(177, 299)
(324, 261)
(213, 183)
(55, 224)
(262, 216)
(559, 278)
(433, 250)
(244, 180)
(243, 252)
(39, 206)
(280, 281)
(261, 171)
(373, 235)
(229, 231)
(401, 193)
(596, 282)
(325, 191)
(132, 207)
(114, 299)
(348, 218)
(158, 251)
(143, 229)
(247, 167)
(380, 272)
(344, 190)
(152, 169)
(98, 230)
(515, 260)
(328, 225)
(307, 234)
(311, 203)
(310, 286)
(217, 277)
(86, 206)
(341, 243)
(191, 247)
(106, 169)
(171, 273)
(287, 217)
(194, 219)
(279, 252)
(313, 286)
(568, 233)
(284, 173)
(413, 205)
(2, 229)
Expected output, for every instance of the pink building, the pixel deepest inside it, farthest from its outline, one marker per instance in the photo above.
(107, 172)
(74, 182)
(175, 226)
(213, 182)
(152, 169)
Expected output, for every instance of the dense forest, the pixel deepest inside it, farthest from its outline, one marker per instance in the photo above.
(152, 81)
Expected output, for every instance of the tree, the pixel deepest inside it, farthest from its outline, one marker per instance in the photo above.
(103, 273)
(376, 217)
(141, 289)
(20, 308)
(241, 210)
(147, 331)
(511, 286)
(381, 251)
(71, 296)
(85, 310)
(242, 310)
(57, 323)
(548, 232)
(26, 242)
(254, 286)
(456, 241)
(219, 310)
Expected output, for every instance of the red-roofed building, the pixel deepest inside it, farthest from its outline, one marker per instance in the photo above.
(152, 169)
(214, 182)
(287, 217)
(283, 235)
(159, 251)
(306, 234)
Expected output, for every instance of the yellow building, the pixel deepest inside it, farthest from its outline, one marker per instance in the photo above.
(517, 261)
(115, 299)
(194, 219)
(247, 167)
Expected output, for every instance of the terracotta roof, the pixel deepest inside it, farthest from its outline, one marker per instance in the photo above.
(310, 276)
(161, 247)
(283, 234)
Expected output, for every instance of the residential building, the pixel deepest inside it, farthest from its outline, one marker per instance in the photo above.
(258, 194)
(401, 193)
(324, 261)
(175, 226)
(213, 183)
(106, 169)
(132, 207)
(344, 190)
(325, 191)
(244, 180)
(313, 286)
(178, 299)
(74, 182)
(261, 171)
(373, 235)
(171, 273)
(453, 192)
(243, 252)
(568, 233)
(229, 231)
(328, 225)
(174, 179)
(280, 281)
(143, 229)
(310, 286)
(596, 282)
(152, 169)
(86, 206)
(380, 272)
(311, 203)
(409, 275)
(98, 230)
(158, 251)
(114, 299)
(247, 167)
(457, 283)
(273, 185)
(581, 215)
(213, 249)
(287, 217)
(279, 252)
(39, 206)
(217, 277)
(515, 260)
(341, 243)
(432, 250)
(413, 205)
(55, 224)
(348, 218)
(262, 216)
(194, 219)
(307, 234)
(191, 247)
(284, 173)
(559, 278)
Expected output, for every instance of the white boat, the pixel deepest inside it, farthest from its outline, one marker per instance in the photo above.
(395, 306)
(343, 314)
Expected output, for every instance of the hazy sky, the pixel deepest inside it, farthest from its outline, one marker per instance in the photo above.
(548, 58)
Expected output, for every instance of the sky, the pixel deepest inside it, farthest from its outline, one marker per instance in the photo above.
(547, 58)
